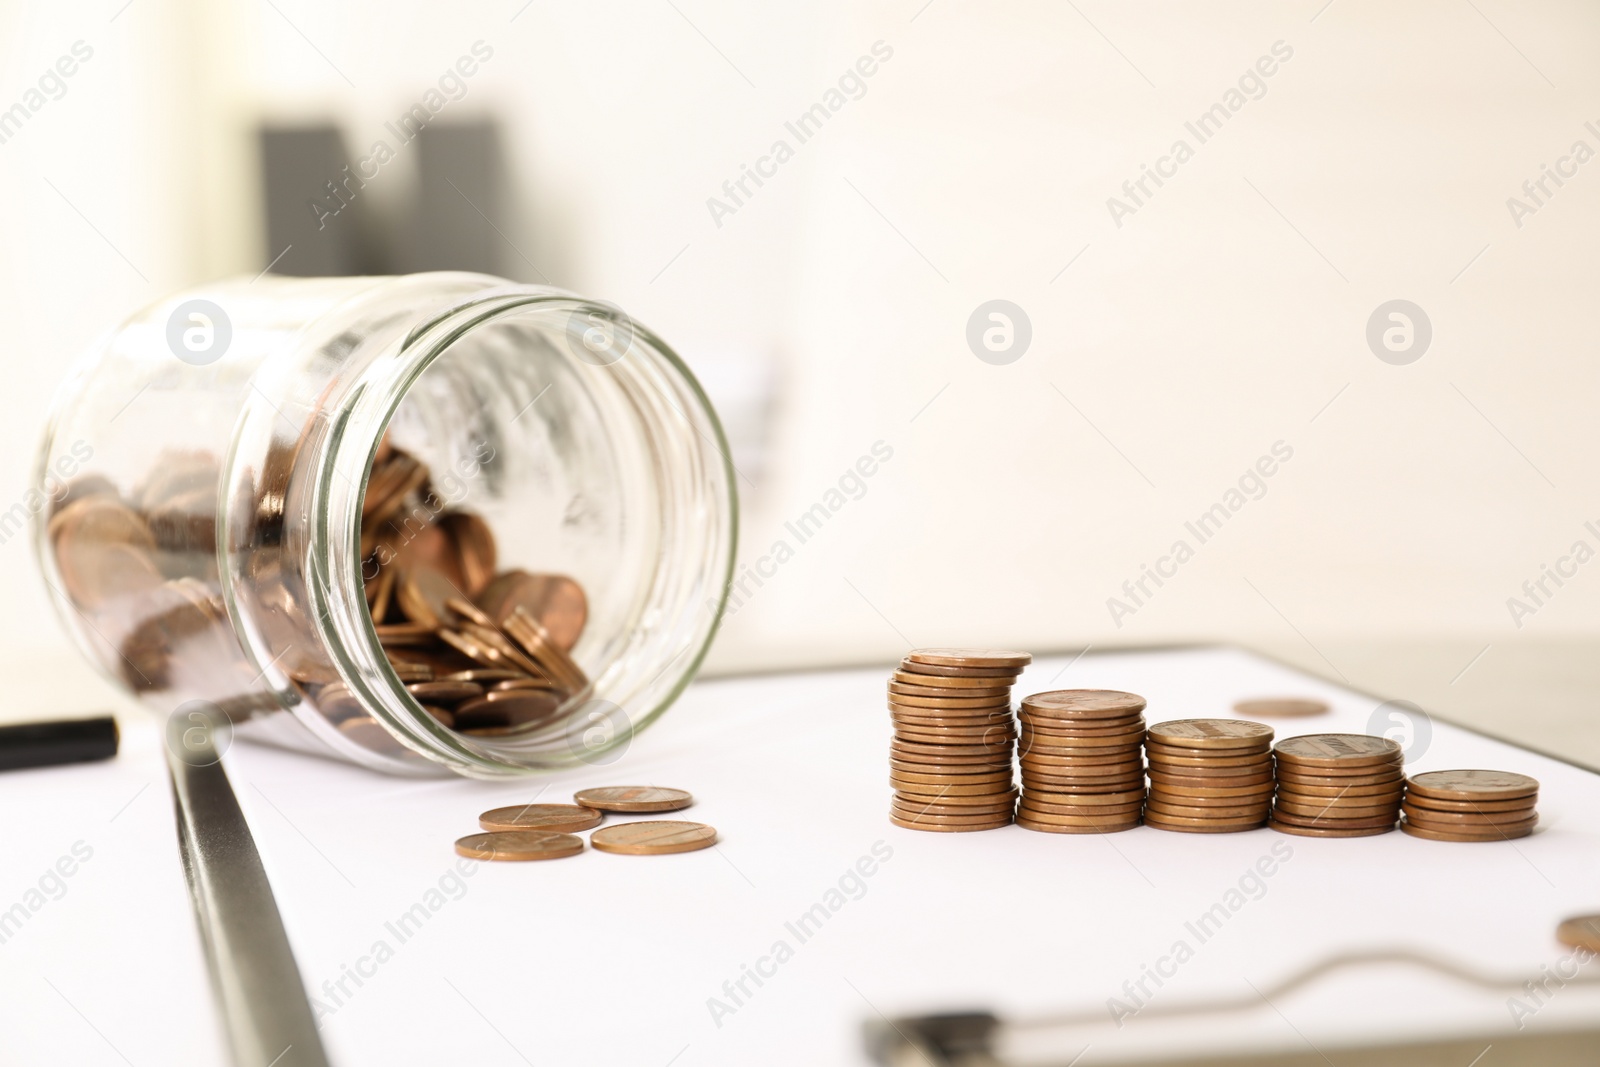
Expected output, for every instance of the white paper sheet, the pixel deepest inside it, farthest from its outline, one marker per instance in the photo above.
(606, 959)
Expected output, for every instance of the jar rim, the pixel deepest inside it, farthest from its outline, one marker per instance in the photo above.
(348, 629)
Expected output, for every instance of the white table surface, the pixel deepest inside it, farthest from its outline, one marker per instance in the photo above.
(604, 959)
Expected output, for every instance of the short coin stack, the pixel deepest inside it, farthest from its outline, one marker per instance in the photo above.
(1338, 785)
(1082, 769)
(1209, 776)
(1471, 805)
(950, 761)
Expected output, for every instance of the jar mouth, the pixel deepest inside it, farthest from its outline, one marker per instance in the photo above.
(670, 451)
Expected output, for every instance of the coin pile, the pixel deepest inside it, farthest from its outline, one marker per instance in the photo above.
(484, 652)
(1209, 776)
(1470, 805)
(1082, 768)
(525, 832)
(1338, 785)
(950, 760)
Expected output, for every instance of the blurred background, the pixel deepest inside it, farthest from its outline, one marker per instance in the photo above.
(1165, 340)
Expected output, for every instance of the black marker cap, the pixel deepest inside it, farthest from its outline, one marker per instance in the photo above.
(48, 744)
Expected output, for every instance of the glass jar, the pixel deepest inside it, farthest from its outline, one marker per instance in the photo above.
(284, 497)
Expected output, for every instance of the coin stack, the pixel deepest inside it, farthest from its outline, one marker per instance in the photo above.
(1209, 776)
(950, 760)
(1470, 805)
(1082, 768)
(1338, 785)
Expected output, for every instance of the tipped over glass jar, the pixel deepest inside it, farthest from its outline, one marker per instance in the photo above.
(422, 522)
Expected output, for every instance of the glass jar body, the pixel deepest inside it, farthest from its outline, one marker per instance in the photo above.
(207, 526)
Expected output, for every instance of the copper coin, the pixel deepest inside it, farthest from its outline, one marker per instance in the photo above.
(633, 798)
(910, 667)
(996, 694)
(1322, 810)
(556, 601)
(482, 676)
(1060, 828)
(1446, 820)
(912, 796)
(1113, 772)
(914, 812)
(1201, 792)
(421, 593)
(1337, 750)
(443, 716)
(1078, 757)
(1212, 734)
(524, 682)
(897, 700)
(917, 748)
(941, 828)
(954, 682)
(1211, 755)
(1417, 800)
(983, 658)
(1037, 803)
(985, 732)
(1504, 833)
(474, 547)
(1118, 785)
(444, 692)
(1472, 785)
(1289, 818)
(565, 818)
(1160, 758)
(920, 766)
(1322, 831)
(940, 737)
(1202, 826)
(1083, 704)
(658, 838)
(951, 779)
(1392, 789)
(519, 845)
(1035, 815)
(1237, 774)
(1134, 732)
(1131, 738)
(517, 707)
(1050, 796)
(1280, 707)
(1337, 782)
(946, 789)
(1213, 780)
(1582, 931)
(984, 722)
(1231, 813)
(409, 673)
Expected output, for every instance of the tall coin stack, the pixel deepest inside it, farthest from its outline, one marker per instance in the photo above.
(1209, 776)
(1082, 769)
(1338, 785)
(1471, 805)
(950, 761)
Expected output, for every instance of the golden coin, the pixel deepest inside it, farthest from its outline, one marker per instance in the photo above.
(1417, 800)
(982, 658)
(1083, 704)
(1503, 834)
(1124, 796)
(958, 681)
(1202, 826)
(658, 838)
(1472, 785)
(1337, 750)
(1224, 734)
(1446, 820)
(941, 828)
(1368, 822)
(626, 798)
(1582, 931)
(1322, 831)
(1002, 693)
(566, 818)
(1059, 828)
(519, 845)
(1280, 707)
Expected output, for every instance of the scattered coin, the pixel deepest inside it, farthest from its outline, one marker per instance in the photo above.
(626, 798)
(1280, 707)
(519, 845)
(657, 838)
(1582, 931)
(562, 817)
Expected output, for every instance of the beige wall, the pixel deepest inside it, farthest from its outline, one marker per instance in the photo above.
(1221, 317)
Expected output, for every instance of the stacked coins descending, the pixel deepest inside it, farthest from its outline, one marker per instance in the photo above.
(950, 761)
(1471, 805)
(1209, 776)
(1338, 785)
(1082, 769)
